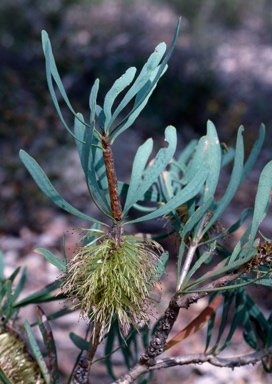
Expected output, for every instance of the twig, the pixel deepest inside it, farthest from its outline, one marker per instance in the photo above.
(191, 253)
(198, 358)
(82, 370)
(158, 341)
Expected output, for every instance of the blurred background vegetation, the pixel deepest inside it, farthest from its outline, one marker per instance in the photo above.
(221, 70)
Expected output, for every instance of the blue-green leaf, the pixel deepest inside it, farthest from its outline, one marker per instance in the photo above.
(139, 163)
(51, 71)
(161, 265)
(119, 85)
(37, 352)
(143, 83)
(47, 188)
(182, 197)
(234, 181)
(197, 216)
(153, 171)
(144, 76)
(80, 133)
(92, 102)
(214, 161)
(2, 265)
(262, 201)
(254, 152)
(79, 342)
(60, 264)
(200, 156)
(140, 102)
(20, 285)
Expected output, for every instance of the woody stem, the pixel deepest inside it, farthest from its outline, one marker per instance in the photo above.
(112, 180)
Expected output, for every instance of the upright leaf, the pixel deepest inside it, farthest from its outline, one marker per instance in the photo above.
(262, 201)
(153, 171)
(47, 188)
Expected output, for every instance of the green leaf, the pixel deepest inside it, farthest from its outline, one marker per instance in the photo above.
(90, 156)
(254, 153)
(2, 266)
(139, 163)
(119, 85)
(41, 296)
(196, 266)
(211, 324)
(145, 85)
(47, 188)
(249, 334)
(262, 201)
(81, 133)
(14, 274)
(243, 217)
(20, 285)
(222, 270)
(60, 264)
(37, 352)
(51, 71)
(109, 347)
(255, 312)
(199, 158)
(213, 160)
(237, 318)
(234, 181)
(79, 342)
(92, 102)
(143, 78)
(227, 157)
(161, 265)
(10, 300)
(197, 216)
(141, 184)
(140, 102)
(182, 197)
(4, 378)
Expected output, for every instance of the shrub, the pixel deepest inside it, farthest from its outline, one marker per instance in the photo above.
(112, 274)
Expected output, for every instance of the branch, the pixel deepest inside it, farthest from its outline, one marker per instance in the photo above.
(198, 358)
(158, 341)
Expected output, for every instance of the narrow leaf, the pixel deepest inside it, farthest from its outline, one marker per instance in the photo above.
(3, 378)
(214, 161)
(158, 165)
(254, 152)
(139, 163)
(60, 264)
(79, 342)
(47, 188)
(41, 296)
(119, 85)
(36, 352)
(182, 197)
(51, 71)
(262, 201)
(234, 181)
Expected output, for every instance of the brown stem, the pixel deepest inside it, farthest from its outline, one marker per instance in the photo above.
(198, 358)
(82, 370)
(158, 341)
(112, 180)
